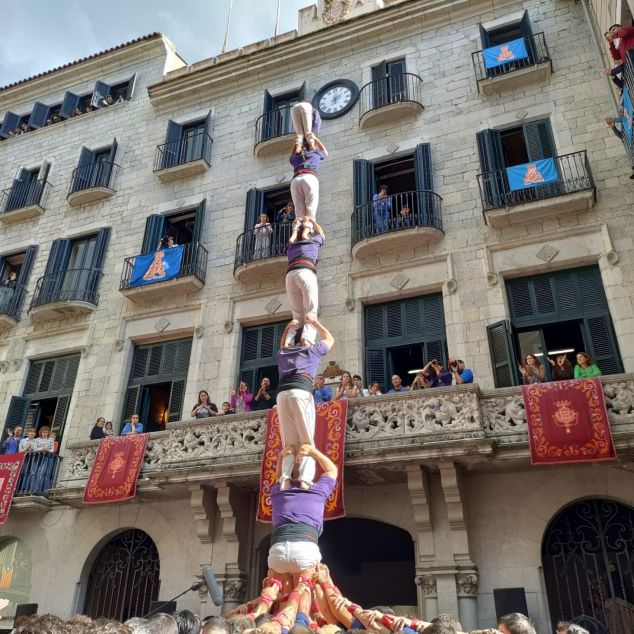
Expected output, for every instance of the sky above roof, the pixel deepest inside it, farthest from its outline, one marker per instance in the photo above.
(38, 35)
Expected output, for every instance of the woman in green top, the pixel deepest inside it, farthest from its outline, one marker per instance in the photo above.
(585, 367)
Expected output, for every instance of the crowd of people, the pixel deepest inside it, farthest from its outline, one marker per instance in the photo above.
(186, 622)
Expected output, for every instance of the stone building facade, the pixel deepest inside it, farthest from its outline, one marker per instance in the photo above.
(483, 275)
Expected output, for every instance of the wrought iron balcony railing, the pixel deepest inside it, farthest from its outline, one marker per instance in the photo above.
(93, 175)
(251, 247)
(400, 88)
(276, 123)
(194, 263)
(189, 148)
(537, 54)
(11, 300)
(574, 174)
(22, 195)
(80, 285)
(387, 214)
(39, 472)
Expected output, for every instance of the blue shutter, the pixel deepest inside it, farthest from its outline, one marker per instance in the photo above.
(58, 256)
(484, 37)
(364, 184)
(154, 231)
(424, 181)
(376, 368)
(602, 344)
(3, 265)
(301, 95)
(84, 171)
(493, 178)
(539, 140)
(101, 91)
(254, 207)
(527, 32)
(9, 124)
(101, 244)
(396, 81)
(130, 404)
(130, 89)
(39, 115)
(199, 224)
(379, 85)
(172, 152)
(27, 265)
(103, 171)
(175, 408)
(268, 129)
(71, 101)
(18, 412)
(502, 357)
(207, 139)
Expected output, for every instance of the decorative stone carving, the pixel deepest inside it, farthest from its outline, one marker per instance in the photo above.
(547, 253)
(234, 590)
(391, 149)
(273, 305)
(451, 286)
(492, 278)
(350, 304)
(428, 585)
(521, 114)
(118, 344)
(332, 370)
(336, 10)
(467, 585)
(199, 331)
(228, 327)
(4, 366)
(612, 257)
(399, 281)
(161, 324)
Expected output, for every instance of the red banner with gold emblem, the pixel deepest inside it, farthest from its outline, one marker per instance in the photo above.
(330, 439)
(568, 422)
(116, 469)
(10, 466)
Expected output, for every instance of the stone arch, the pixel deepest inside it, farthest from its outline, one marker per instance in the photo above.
(588, 562)
(15, 573)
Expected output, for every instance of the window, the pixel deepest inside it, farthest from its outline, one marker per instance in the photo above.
(258, 354)
(157, 383)
(118, 92)
(389, 83)
(12, 295)
(184, 226)
(554, 313)
(15, 582)
(185, 143)
(95, 168)
(28, 187)
(402, 336)
(501, 32)
(276, 118)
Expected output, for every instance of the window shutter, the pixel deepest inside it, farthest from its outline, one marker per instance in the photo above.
(27, 265)
(484, 37)
(39, 115)
(363, 182)
(87, 157)
(71, 101)
(376, 368)
(99, 254)
(154, 231)
(71, 372)
(379, 85)
(139, 363)
(3, 265)
(59, 417)
(9, 124)
(171, 154)
(268, 344)
(33, 377)
(394, 319)
(83, 173)
(183, 353)
(42, 174)
(413, 317)
(101, 91)
(590, 285)
(131, 403)
(434, 314)
(58, 371)
(544, 297)
(375, 327)
(603, 347)
(301, 95)
(18, 412)
(520, 299)
(254, 207)
(208, 134)
(113, 150)
(58, 256)
(502, 358)
(527, 33)
(269, 102)
(268, 127)
(130, 89)
(491, 155)
(199, 224)
(435, 350)
(424, 180)
(156, 357)
(539, 140)
(250, 347)
(176, 401)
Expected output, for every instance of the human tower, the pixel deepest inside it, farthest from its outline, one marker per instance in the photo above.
(298, 588)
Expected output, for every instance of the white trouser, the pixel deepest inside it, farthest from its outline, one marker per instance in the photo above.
(293, 557)
(305, 195)
(296, 411)
(303, 295)
(302, 115)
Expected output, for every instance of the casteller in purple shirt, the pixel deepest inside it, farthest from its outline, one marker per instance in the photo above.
(302, 360)
(301, 506)
(305, 249)
(308, 160)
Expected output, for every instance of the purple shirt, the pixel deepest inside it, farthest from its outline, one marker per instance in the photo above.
(301, 506)
(309, 160)
(301, 360)
(443, 379)
(305, 249)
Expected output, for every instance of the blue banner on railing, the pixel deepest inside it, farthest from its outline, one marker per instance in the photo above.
(164, 264)
(532, 174)
(504, 53)
(627, 114)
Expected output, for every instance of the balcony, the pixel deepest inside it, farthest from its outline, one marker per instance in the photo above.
(274, 132)
(460, 423)
(11, 300)
(190, 278)
(573, 192)
(24, 201)
(39, 472)
(92, 182)
(189, 156)
(258, 258)
(536, 67)
(65, 294)
(375, 233)
(390, 99)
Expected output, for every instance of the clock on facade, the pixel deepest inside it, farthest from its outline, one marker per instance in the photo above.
(336, 98)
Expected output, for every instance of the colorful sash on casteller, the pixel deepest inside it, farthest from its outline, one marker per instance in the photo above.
(306, 171)
(302, 263)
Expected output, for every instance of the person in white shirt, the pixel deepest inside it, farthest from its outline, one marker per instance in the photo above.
(28, 444)
(262, 232)
(45, 442)
(358, 383)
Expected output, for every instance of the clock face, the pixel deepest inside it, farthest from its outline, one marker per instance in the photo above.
(336, 98)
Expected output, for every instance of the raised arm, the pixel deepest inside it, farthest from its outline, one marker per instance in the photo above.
(327, 465)
(324, 333)
(318, 230)
(321, 146)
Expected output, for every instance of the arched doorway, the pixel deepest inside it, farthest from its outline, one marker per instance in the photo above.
(588, 559)
(15, 574)
(371, 562)
(124, 577)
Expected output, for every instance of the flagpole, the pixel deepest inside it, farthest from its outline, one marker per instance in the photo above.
(224, 45)
(277, 19)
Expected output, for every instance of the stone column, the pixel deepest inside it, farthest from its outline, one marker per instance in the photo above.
(427, 596)
(467, 587)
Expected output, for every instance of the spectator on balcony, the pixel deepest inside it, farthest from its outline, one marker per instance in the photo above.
(133, 426)
(460, 373)
(321, 393)
(382, 205)
(11, 280)
(77, 112)
(241, 399)
(44, 442)
(265, 396)
(262, 234)
(107, 101)
(225, 409)
(204, 408)
(375, 389)
(562, 369)
(532, 370)
(12, 443)
(286, 214)
(167, 242)
(346, 387)
(24, 128)
(28, 444)
(55, 441)
(108, 430)
(358, 384)
(438, 376)
(421, 380)
(625, 36)
(98, 432)
(7, 290)
(405, 219)
(397, 385)
(586, 367)
(88, 108)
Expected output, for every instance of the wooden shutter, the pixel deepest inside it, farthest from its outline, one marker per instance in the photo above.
(259, 348)
(9, 124)
(113, 150)
(501, 351)
(61, 410)
(379, 85)
(539, 140)
(602, 344)
(175, 408)
(129, 91)
(527, 33)
(484, 37)
(588, 281)
(71, 101)
(435, 350)
(433, 314)
(101, 91)
(376, 367)
(364, 182)
(254, 207)
(87, 157)
(424, 181)
(154, 231)
(131, 403)
(199, 224)
(171, 153)
(39, 115)
(42, 173)
(84, 172)
(18, 412)
(208, 135)
(268, 127)
(101, 244)
(493, 179)
(56, 265)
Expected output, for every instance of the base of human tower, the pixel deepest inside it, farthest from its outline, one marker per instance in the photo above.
(313, 597)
